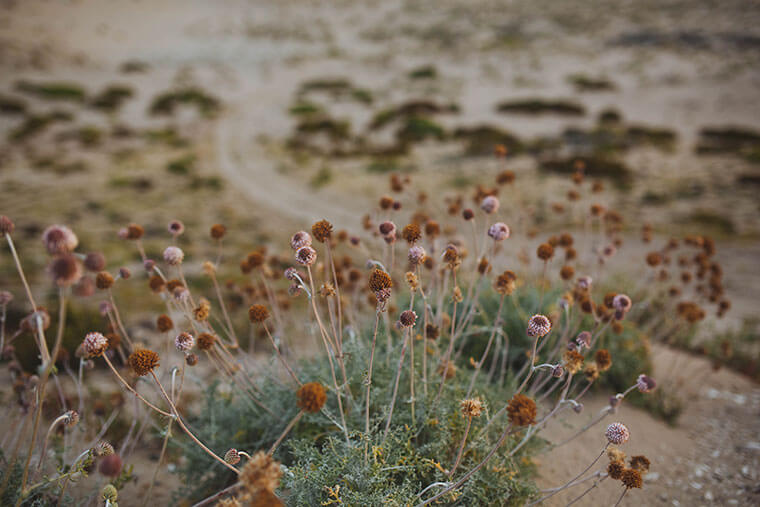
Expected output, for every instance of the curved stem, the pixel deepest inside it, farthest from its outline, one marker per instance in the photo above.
(186, 430)
(285, 432)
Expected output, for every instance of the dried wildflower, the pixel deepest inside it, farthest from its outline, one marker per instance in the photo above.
(232, 457)
(489, 204)
(411, 233)
(431, 332)
(521, 410)
(306, 255)
(505, 177)
(5, 297)
(258, 313)
(379, 280)
(617, 433)
(447, 369)
(622, 302)
(567, 272)
(94, 261)
(416, 255)
(175, 228)
(311, 397)
(615, 454)
(110, 466)
(539, 326)
(407, 318)
(71, 418)
(191, 359)
(471, 407)
(583, 339)
(321, 230)
(164, 323)
(591, 372)
(104, 280)
(156, 283)
(573, 361)
(631, 478)
(505, 283)
(451, 257)
(103, 448)
(143, 361)
(6, 226)
(65, 270)
(260, 474)
(545, 251)
(202, 311)
(654, 259)
(327, 290)
(584, 283)
(432, 228)
(498, 231)
(645, 383)
(94, 344)
(206, 341)
(300, 240)
(640, 463)
(218, 231)
(124, 273)
(59, 239)
(468, 214)
(615, 470)
(173, 256)
(133, 231)
(109, 494)
(603, 359)
(184, 342)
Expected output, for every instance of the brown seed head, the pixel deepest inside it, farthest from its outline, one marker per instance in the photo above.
(261, 475)
(134, 231)
(411, 233)
(545, 251)
(206, 341)
(104, 280)
(471, 407)
(379, 280)
(65, 270)
(617, 433)
(521, 410)
(143, 361)
(321, 230)
(407, 318)
(603, 359)
(306, 256)
(312, 397)
(615, 470)
(59, 239)
(164, 323)
(94, 261)
(567, 272)
(156, 283)
(258, 313)
(218, 231)
(573, 361)
(640, 463)
(631, 478)
(94, 344)
(505, 283)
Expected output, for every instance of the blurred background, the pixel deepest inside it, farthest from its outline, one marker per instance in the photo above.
(267, 115)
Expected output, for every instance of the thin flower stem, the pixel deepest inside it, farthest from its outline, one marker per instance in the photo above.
(369, 384)
(226, 315)
(325, 339)
(479, 365)
(395, 386)
(133, 391)
(469, 474)
(285, 432)
(279, 355)
(186, 430)
(596, 483)
(461, 446)
(571, 481)
(621, 497)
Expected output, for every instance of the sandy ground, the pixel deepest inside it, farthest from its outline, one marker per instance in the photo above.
(676, 64)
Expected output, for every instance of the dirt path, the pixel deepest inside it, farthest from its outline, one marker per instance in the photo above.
(710, 458)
